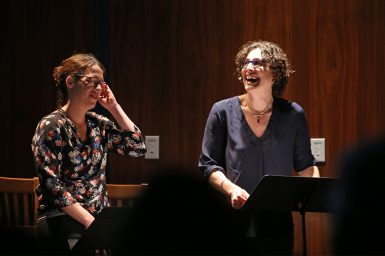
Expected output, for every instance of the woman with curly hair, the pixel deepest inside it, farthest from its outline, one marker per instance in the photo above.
(255, 134)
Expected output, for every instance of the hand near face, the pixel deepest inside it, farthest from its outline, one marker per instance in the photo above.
(107, 98)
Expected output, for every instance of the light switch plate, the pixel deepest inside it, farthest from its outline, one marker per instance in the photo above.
(318, 149)
(152, 145)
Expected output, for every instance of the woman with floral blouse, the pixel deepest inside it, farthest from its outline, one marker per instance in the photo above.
(70, 148)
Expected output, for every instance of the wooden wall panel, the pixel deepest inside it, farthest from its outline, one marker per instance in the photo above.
(170, 60)
(189, 48)
(187, 60)
(37, 35)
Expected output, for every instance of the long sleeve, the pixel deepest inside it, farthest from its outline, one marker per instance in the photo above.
(47, 150)
(123, 142)
(126, 142)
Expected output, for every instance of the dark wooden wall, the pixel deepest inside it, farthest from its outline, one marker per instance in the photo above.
(170, 60)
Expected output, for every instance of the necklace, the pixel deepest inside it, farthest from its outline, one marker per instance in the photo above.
(259, 114)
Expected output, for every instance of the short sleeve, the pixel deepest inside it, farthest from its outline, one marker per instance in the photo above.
(303, 157)
(213, 144)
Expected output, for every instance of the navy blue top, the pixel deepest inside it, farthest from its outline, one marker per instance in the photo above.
(229, 144)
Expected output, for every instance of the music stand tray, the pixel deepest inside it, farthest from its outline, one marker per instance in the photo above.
(105, 232)
(292, 193)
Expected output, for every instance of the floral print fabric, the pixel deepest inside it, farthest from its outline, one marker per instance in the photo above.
(71, 170)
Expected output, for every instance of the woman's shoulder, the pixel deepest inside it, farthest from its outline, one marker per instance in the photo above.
(51, 121)
(226, 103)
(288, 105)
(49, 127)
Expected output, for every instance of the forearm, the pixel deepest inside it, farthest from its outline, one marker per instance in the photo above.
(77, 212)
(121, 118)
(219, 181)
(311, 171)
(237, 195)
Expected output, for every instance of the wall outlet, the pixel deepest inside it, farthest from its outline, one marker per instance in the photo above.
(318, 149)
(152, 145)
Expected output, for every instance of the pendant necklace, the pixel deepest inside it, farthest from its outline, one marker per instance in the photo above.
(259, 114)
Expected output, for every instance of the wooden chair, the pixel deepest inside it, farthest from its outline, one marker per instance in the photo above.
(18, 205)
(124, 194)
(18, 201)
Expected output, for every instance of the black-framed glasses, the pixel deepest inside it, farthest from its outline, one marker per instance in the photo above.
(91, 81)
(256, 63)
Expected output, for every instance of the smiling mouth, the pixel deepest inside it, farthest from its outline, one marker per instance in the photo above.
(252, 80)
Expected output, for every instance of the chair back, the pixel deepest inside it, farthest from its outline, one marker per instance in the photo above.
(18, 201)
(124, 194)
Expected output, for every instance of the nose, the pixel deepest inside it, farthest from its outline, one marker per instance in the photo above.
(249, 65)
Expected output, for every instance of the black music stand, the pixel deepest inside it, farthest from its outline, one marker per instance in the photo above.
(286, 193)
(106, 232)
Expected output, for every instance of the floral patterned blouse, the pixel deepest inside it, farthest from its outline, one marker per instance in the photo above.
(71, 170)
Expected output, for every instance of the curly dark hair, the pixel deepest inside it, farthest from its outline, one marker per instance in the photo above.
(272, 56)
(76, 64)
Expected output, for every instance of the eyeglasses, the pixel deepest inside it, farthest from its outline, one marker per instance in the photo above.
(91, 81)
(256, 63)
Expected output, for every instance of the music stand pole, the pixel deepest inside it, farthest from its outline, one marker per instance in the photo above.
(303, 225)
